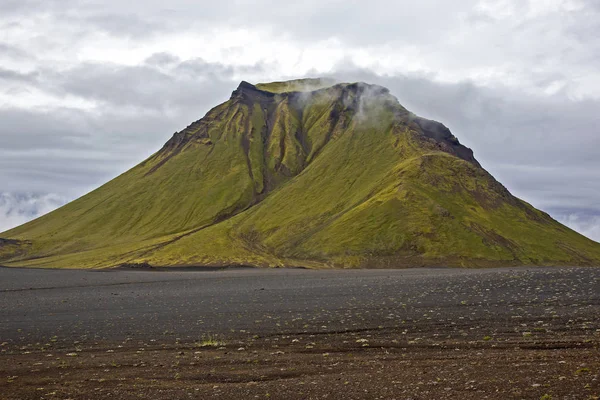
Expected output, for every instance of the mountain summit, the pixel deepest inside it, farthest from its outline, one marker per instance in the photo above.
(302, 173)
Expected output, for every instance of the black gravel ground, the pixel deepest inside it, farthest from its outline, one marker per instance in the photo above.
(113, 305)
(549, 313)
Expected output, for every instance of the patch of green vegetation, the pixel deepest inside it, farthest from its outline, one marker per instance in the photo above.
(582, 371)
(337, 177)
(210, 341)
(296, 85)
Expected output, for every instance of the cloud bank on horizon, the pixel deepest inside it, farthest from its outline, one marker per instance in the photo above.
(91, 88)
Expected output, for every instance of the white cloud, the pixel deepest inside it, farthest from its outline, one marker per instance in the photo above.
(18, 209)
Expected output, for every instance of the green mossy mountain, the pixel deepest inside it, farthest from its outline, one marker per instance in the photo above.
(302, 173)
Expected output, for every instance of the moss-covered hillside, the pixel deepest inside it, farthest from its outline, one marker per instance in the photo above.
(302, 173)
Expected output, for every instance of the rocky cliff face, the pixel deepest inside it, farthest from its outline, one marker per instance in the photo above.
(306, 172)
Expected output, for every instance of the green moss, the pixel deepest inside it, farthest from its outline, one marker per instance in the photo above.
(330, 180)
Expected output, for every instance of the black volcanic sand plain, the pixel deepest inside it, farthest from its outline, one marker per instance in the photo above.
(300, 334)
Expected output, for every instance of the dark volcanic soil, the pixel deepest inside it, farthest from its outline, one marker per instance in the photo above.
(300, 334)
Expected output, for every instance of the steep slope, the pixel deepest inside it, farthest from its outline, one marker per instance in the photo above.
(304, 172)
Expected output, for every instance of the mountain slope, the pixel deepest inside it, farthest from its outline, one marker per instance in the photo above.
(303, 172)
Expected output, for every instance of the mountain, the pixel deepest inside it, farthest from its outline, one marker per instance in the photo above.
(302, 173)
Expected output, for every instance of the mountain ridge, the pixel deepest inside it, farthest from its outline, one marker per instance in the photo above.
(305, 172)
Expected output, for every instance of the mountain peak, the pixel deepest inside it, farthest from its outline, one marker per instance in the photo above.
(246, 88)
(246, 85)
(283, 87)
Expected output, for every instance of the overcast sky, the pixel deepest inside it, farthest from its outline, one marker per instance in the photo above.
(89, 88)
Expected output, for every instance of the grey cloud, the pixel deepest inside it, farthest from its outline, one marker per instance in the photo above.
(10, 7)
(125, 24)
(69, 175)
(35, 129)
(13, 52)
(162, 59)
(139, 86)
(162, 83)
(381, 21)
(586, 223)
(71, 151)
(10, 75)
